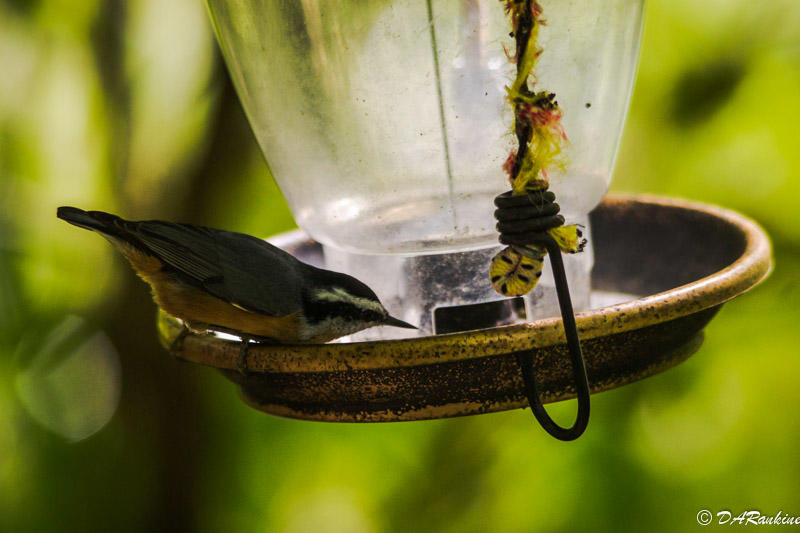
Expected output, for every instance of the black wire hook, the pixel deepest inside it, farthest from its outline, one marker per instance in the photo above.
(580, 379)
(524, 220)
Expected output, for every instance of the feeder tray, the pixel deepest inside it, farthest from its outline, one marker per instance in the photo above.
(679, 261)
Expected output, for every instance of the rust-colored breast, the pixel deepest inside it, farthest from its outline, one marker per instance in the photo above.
(192, 304)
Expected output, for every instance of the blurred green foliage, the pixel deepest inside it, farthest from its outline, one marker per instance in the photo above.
(124, 105)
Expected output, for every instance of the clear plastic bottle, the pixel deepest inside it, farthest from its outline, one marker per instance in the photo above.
(386, 126)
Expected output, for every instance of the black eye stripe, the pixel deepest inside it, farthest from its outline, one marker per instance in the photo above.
(319, 310)
(322, 309)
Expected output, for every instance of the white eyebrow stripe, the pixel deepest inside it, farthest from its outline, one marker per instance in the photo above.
(334, 295)
(340, 295)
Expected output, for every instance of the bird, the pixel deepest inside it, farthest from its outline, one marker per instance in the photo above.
(217, 280)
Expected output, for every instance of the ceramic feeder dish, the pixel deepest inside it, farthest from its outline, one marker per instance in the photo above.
(668, 265)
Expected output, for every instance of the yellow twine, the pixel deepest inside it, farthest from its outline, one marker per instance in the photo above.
(515, 270)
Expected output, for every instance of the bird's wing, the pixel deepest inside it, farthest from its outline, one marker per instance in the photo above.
(235, 267)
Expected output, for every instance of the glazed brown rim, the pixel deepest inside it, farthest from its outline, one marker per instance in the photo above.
(747, 271)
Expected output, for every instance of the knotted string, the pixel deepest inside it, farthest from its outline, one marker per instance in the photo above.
(537, 125)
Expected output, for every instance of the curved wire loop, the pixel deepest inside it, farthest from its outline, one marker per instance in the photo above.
(524, 220)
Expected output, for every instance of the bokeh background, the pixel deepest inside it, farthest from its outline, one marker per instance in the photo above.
(125, 105)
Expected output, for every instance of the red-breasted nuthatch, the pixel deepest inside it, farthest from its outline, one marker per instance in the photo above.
(235, 283)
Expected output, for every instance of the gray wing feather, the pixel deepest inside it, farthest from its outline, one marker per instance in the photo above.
(235, 267)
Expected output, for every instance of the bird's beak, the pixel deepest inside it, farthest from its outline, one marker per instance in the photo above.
(392, 321)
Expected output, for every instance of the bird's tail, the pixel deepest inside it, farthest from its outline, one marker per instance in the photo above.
(92, 220)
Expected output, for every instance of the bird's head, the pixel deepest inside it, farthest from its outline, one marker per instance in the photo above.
(339, 305)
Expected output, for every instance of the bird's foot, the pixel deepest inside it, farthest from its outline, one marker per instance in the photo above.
(241, 361)
(176, 345)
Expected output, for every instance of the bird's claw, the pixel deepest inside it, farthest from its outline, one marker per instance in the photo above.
(241, 361)
(176, 345)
